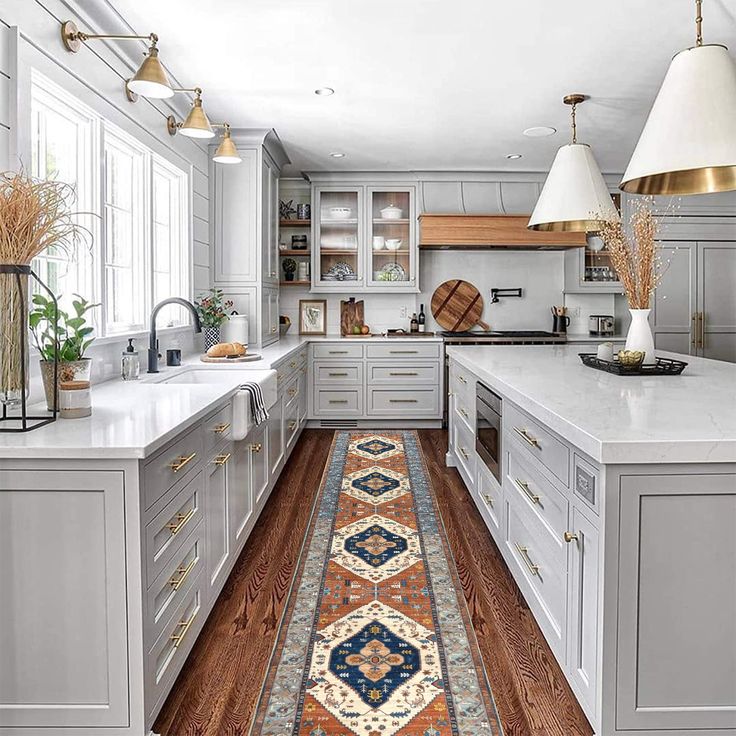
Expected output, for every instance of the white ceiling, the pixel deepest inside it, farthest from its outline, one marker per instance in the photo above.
(428, 84)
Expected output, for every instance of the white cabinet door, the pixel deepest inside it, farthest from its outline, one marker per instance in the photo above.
(63, 615)
(260, 475)
(269, 315)
(583, 606)
(217, 516)
(717, 300)
(241, 492)
(269, 223)
(276, 436)
(235, 217)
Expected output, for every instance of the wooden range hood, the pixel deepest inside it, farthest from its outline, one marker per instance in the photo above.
(485, 232)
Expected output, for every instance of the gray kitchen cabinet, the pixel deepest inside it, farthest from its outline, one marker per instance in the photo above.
(260, 475)
(276, 435)
(677, 603)
(63, 600)
(218, 487)
(717, 300)
(245, 203)
(241, 489)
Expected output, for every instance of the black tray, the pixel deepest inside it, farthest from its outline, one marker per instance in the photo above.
(663, 366)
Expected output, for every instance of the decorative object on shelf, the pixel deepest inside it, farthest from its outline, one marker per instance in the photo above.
(339, 213)
(340, 271)
(630, 358)
(347, 241)
(286, 209)
(605, 351)
(235, 329)
(688, 145)
(595, 243)
(211, 309)
(574, 198)
(457, 306)
(352, 316)
(289, 266)
(393, 243)
(62, 341)
(302, 271)
(149, 81)
(633, 366)
(391, 272)
(35, 215)
(379, 242)
(284, 324)
(299, 242)
(639, 268)
(304, 211)
(392, 212)
(312, 316)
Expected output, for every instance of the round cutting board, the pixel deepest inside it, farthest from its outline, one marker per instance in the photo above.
(457, 306)
(240, 359)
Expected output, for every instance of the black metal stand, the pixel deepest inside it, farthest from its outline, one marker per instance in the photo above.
(25, 422)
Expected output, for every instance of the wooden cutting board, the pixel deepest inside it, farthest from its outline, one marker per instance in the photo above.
(351, 314)
(457, 306)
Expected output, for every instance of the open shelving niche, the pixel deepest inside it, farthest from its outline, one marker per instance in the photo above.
(299, 192)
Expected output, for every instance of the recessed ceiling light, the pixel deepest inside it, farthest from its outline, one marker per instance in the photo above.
(539, 131)
(337, 155)
(324, 91)
(513, 156)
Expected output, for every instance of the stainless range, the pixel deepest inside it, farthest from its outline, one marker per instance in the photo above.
(497, 337)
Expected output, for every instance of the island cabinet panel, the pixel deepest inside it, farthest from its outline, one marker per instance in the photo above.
(63, 600)
(677, 603)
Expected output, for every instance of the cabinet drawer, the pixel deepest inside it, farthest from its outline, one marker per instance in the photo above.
(407, 373)
(462, 386)
(171, 648)
(537, 442)
(489, 499)
(463, 444)
(337, 350)
(217, 427)
(346, 402)
(463, 411)
(403, 350)
(338, 373)
(291, 392)
(403, 402)
(165, 533)
(543, 576)
(536, 494)
(173, 584)
(168, 466)
(291, 422)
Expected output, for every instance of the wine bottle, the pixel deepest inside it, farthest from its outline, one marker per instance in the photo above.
(422, 319)
(414, 324)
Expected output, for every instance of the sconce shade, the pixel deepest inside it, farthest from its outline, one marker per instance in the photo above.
(226, 152)
(574, 197)
(197, 124)
(150, 80)
(688, 145)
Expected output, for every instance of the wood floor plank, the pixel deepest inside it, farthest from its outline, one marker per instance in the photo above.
(217, 691)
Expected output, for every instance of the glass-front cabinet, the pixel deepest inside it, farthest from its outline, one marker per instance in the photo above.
(364, 238)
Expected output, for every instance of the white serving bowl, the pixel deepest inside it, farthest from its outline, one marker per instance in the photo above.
(393, 243)
(339, 213)
(391, 212)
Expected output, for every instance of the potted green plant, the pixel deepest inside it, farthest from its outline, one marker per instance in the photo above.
(74, 337)
(289, 266)
(212, 310)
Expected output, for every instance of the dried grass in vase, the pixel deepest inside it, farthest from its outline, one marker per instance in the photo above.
(636, 260)
(35, 215)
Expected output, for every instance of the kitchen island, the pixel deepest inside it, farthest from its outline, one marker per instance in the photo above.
(614, 506)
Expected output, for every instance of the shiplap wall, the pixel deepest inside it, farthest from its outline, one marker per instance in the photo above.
(96, 76)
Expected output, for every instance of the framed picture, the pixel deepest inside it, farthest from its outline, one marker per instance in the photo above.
(312, 316)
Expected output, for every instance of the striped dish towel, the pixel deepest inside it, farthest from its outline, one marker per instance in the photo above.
(257, 404)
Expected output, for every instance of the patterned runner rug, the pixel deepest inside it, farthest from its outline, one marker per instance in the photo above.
(375, 639)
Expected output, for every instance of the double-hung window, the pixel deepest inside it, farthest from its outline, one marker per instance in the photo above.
(138, 205)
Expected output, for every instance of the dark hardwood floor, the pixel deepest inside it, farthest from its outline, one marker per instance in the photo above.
(217, 691)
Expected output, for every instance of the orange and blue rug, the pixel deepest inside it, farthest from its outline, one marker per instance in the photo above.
(376, 639)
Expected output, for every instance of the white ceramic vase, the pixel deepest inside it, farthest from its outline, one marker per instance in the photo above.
(639, 336)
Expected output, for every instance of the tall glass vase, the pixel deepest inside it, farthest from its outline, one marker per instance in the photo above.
(639, 336)
(13, 337)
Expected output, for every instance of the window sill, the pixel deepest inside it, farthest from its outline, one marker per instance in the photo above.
(141, 334)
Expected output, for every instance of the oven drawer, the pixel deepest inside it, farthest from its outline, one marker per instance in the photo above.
(536, 442)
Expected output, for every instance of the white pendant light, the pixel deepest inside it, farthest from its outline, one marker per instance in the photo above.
(575, 197)
(688, 145)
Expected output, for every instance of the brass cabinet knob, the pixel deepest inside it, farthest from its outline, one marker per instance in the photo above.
(570, 536)
(257, 447)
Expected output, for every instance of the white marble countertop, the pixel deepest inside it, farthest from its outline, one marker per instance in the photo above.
(689, 418)
(596, 339)
(132, 419)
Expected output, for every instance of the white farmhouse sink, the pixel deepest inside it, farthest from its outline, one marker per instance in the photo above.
(242, 420)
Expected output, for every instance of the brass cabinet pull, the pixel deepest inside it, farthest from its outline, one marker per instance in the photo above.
(293, 426)
(222, 459)
(403, 352)
(181, 521)
(523, 486)
(463, 412)
(181, 461)
(273, 274)
(702, 329)
(256, 447)
(461, 379)
(402, 401)
(570, 536)
(533, 441)
(338, 401)
(337, 375)
(304, 370)
(403, 373)
(694, 330)
(183, 627)
(464, 453)
(488, 499)
(291, 392)
(292, 364)
(183, 573)
(220, 428)
(524, 552)
(337, 352)
(273, 329)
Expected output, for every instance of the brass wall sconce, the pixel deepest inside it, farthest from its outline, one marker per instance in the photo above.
(149, 81)
(198, 125)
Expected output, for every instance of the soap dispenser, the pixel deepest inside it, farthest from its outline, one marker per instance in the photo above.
(130, 367)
